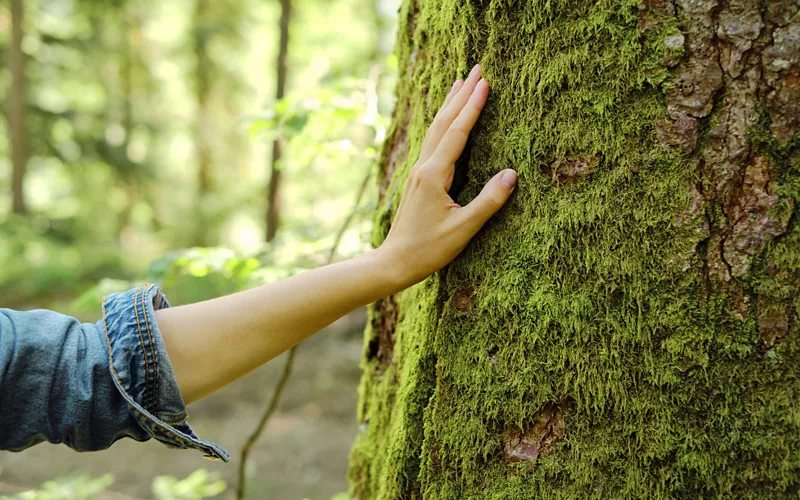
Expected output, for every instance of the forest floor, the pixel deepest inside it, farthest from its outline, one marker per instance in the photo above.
(302, 455)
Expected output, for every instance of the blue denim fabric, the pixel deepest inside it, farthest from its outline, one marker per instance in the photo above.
(88, 385)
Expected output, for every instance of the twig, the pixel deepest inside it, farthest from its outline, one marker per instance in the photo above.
(350, 216)
(262, 424)
(287, 368)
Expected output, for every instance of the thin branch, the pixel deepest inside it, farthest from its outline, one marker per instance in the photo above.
(273, 189)
(17, 112)
(350, 216)
(262, 424)
(287, 368)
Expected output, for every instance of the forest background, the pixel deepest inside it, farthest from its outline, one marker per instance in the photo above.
(139, 145)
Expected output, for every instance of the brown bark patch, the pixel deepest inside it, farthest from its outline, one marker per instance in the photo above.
(464, 298)
(694, 89)
(395, 150)
(693, 224)
(756, 217)
(780, 12)
(773, 322)
(548, 425)
(384, 324)
(650, 11)
(739, 25)
(570, 171)
(697, 207)
(674, 45)
(681, 133)
(781, 92)
(699, 77)
(731, 47)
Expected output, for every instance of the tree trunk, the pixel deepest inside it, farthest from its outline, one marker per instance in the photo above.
(273, 189)
(627, 326)
(16, 109)
(204, 132)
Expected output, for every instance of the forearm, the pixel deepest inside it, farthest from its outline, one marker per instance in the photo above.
(213, 343)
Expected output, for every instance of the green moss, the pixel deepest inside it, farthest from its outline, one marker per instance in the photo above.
(589, 291)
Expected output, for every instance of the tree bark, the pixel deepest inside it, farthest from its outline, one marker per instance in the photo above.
(627, 325)
(273, 189)
(17, 109)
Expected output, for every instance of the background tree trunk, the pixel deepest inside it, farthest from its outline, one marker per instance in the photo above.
(204, 127)
(627, 325)
(16, 109)
(273, 189)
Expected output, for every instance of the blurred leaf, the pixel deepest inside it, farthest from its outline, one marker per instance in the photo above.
(72, 488)
(91, 299)
(294, 124)
(198, 485)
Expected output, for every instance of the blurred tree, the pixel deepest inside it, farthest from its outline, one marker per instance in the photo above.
(627, 326)
(128, 83)
(16, 108)
(204, 136)
(216, 30)
(273, 189)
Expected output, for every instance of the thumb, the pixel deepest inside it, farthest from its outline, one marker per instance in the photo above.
(491, 198)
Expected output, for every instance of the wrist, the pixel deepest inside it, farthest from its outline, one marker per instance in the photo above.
(392, 269)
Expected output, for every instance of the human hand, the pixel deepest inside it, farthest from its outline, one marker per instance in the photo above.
(430, 229)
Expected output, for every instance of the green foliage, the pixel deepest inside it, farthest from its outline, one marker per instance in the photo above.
(40, 257)
(337, 106)
(196, 274)
(117, 122)
(80, 487)
(200, 273)
(198, 485)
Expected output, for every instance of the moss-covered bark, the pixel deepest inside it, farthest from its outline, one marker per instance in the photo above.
(627, 326)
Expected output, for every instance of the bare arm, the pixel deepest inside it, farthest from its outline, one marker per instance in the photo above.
(215, 342)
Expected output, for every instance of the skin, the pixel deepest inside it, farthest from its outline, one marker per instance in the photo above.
(215, 342)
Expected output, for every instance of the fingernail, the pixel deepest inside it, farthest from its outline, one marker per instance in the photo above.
(475, 70)
(508, 179)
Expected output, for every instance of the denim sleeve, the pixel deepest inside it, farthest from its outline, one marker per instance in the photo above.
(88, 385)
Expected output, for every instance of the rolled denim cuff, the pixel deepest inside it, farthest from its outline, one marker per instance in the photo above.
(142, 371)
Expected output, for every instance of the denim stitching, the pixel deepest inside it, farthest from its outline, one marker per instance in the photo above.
(110, 353)
(144, 352)
(172, 434)
(152, 347)
(110, 349)
(185, 415)
(174, 422)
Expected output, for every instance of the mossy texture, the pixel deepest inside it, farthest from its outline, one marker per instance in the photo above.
(627, 326)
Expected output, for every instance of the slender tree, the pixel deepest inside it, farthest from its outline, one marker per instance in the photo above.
(273, 188)
(627, 325)
(203, 139)
(16, 106)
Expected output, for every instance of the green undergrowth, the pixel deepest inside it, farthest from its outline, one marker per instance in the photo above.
(586, 290)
